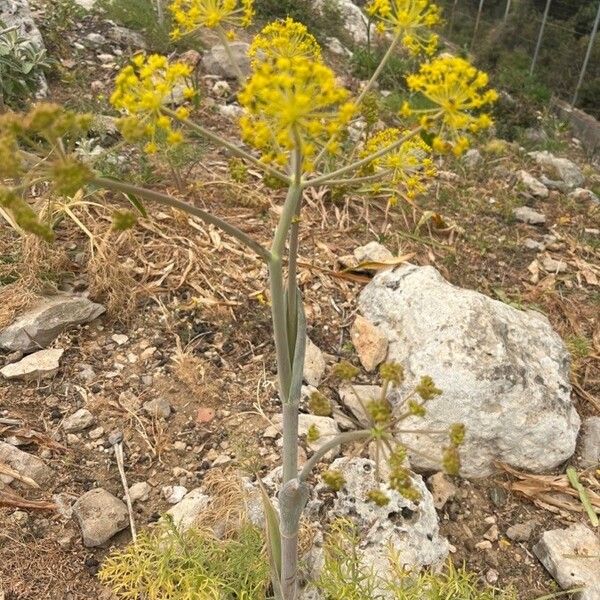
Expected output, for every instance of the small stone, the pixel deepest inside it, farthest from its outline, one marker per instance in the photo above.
(231, 111)
(584, 195)
(221, 88)
(147, 353)
(100, 516)
(528, 215)
(78, 421)
(72, 439)
(534, 187)
(179, 446)
(39, 365)
(442, 489)
(119, 338)
(216, 61)
(491, 576)
(520, 532)
(572, 557)
(173, 493)
(492, 533)
(484, 545)
(25, 464)
(373, 252)
(96, 433)
(115, 437)
(590, 443)
(158, 408)
(221, 461)
(335, 46)
(551, 265)
(95, 39)
(271, 432)
(563, 168)
(204, 415)
(327, 428)
(139, 492)
(356, 397)
(314, 364)
(472, 158)
(531, 244)
(186, 512)
(127, 37)
(370, 343)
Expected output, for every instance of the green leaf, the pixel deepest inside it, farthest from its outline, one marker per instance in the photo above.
(137, 203)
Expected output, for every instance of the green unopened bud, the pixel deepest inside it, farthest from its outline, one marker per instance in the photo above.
(369, 108)
(123, 219)
(400, 478)
(380, 411)
(69, 175)
(312, 435)
(345, 371)
(397, 458)
(334, 479)
(451, 460)
(273, 183)
(378, 497)
(10, 158)
(392, 372)
(238, 170)
(416, 409)
(319, 404)
(426, 388)
(24, 216)
(457, 434)
(410, 493)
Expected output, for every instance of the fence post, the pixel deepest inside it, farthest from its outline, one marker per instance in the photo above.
(588, 53)
(508, 2)
(477, 22)
(541, 34)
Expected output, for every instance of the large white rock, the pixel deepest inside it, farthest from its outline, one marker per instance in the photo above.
(39, 365)
(216, 61)
(186, 512)
(565, 169)
(504, 372)
(355, 21)
(40, 325)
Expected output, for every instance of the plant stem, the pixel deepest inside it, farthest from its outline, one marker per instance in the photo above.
(234, 64)
(338, 440)
(379, 68)
(237, 151)
(166, 200)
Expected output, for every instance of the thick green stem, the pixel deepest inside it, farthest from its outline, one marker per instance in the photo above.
(166, 200)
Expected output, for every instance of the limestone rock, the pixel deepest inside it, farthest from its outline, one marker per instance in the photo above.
(534, 187)
(39, 365)
(520, 532)
(525, 214)
(370, 343)
(504, 372)
(356, 397)
(216, 61)
(174, 494)
(336, 47)
(572, 556)
(584, 195)
(25, 464)
(186, 512)
(39, 326)
(472, 158)
(355, 22)
(78, 421)
(127, 38)
(590, 443)
(100, 516)
(563, 168)
(372, 252)
(158, 408)
(442, 489)
(314, 364)
(139, 492)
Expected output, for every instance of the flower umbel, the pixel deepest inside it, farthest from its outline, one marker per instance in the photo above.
(142, 89)
(458, 90)
(190, 15)
(284, 39)
(410, 19)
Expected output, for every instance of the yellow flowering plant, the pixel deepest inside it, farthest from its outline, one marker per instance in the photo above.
(297, 122)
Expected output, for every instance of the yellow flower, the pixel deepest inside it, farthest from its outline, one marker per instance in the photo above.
(284, 39)
(458, 90)
(190, 15)
(289, 97)
(411, 19)
(142, 89)
(407, 168)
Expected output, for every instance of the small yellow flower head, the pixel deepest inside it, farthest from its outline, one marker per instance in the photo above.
(319, 404)
(284, 39)
(457, 434)
(345, 371)
(142, 89)
(458, 91)
(190, 15)
(411, 19)
(334, 479)
(378, 497)
(407, 168)
(123, 219)
(380, 412)
(392, 372)
(289, 102)
(24, 216)
(52, 122)
(10, 158)
(238, 170)
(426, 388)
(313, 434)
(416, 409)
(451, 460)
(69, 175)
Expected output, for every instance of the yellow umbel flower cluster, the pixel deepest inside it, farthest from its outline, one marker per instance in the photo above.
(458, 90)
(285, 39)
(293, 101)
(190, 15)
(410, 19)
(407, 168)
(142, 89)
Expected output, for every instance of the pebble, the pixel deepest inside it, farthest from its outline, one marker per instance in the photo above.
(553, 266)
(115, 437)
(221, 461)
(96, 433)
(39, 365)
(528, 215)
(174, 493)
(139, 492)
(520, 532)
(590, 442)
(158, 408)
(179, 446)
(491, 576)
(370, 343)
(100, 516)
(492, 533)
(442, 489)
(78, 421)
(484, 545)
(119, 338)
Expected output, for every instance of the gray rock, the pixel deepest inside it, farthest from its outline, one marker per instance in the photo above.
(354, 21)
(25, 464)
(356, 398)
(442, 489)
(95, 39)
(572, 557)
(327, 428)
(472, 158)
(78, 421)
(127, 38)
(590, 443)
(504, 372)
(552, 265)
(186, 512)
(532, 244)
(40, 325)
(553, 184)
(583, 195)
(528, 215)
(335, 46)
(231, 111)
(373, 252)
(520, 532)
(100, 516)
(174, 494)
(534, 187)
(314, 364)
(216, 61)
(563, 168)
(139, 492)
(370, 343)
(158, 408)
(39, 365)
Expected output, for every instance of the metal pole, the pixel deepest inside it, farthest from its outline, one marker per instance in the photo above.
(587, 56)
(507, 10)
(539, 40)
(477, 22)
